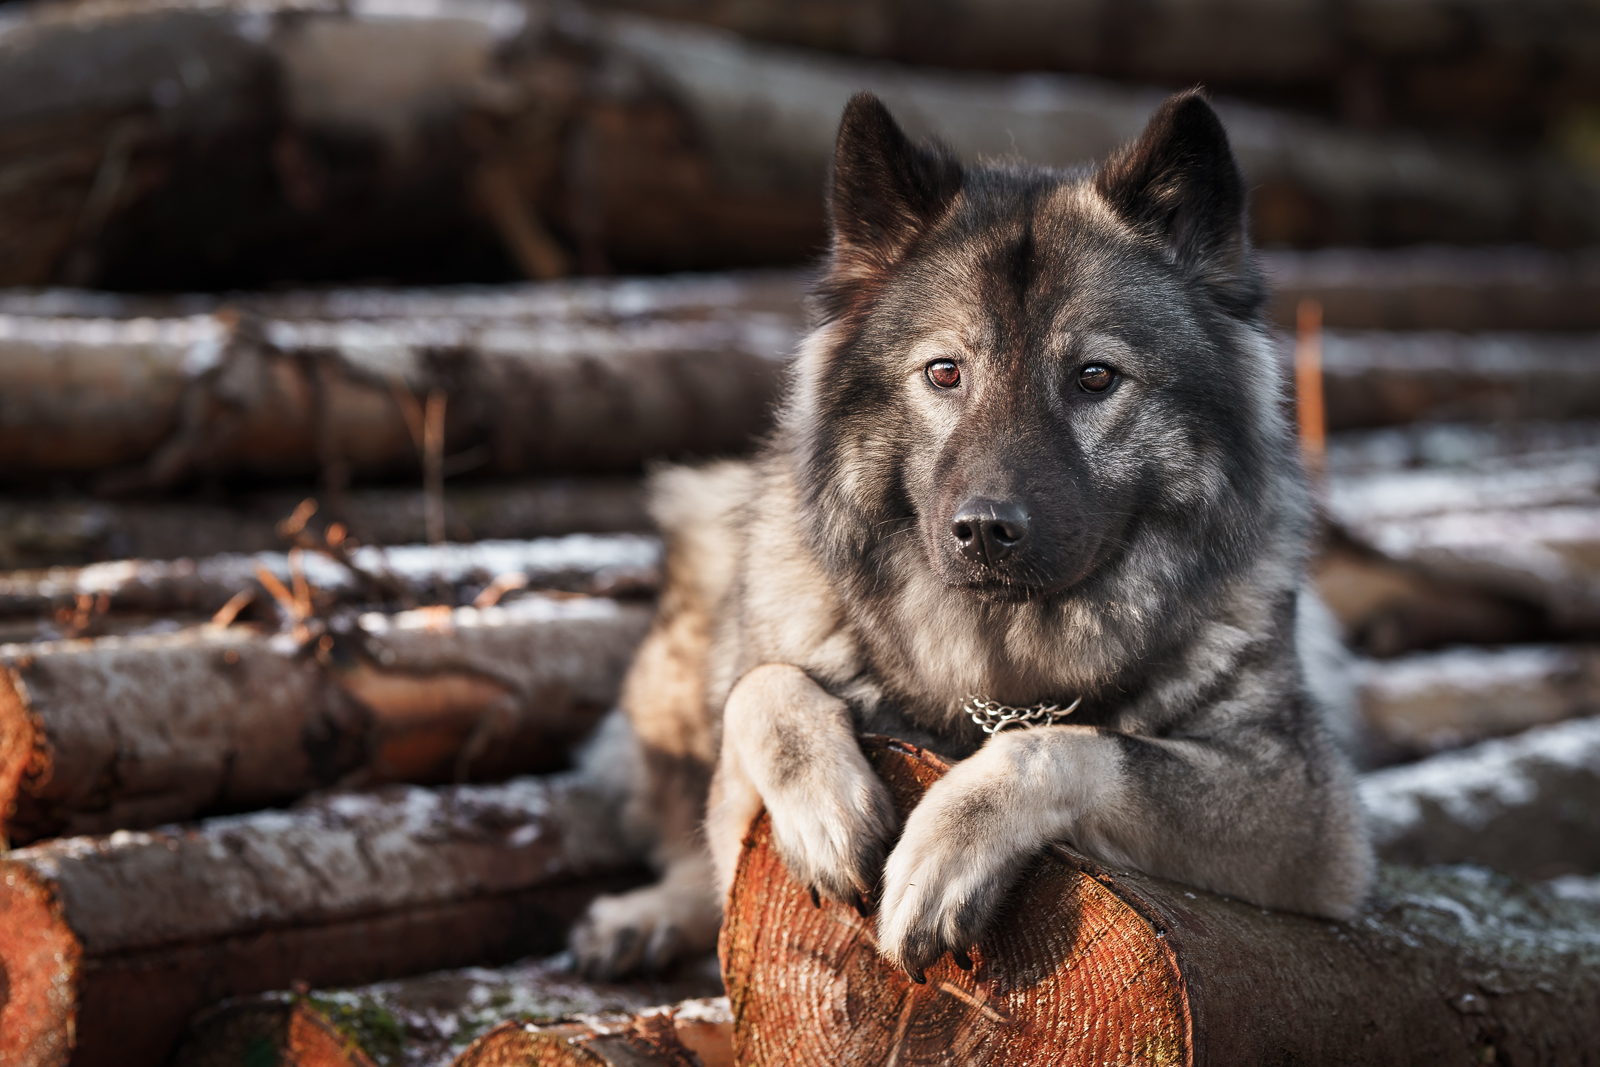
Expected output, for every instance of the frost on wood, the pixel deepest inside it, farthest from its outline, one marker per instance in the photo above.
(145, 928)
(1528, 805)
(130, 732)
(1091, 964)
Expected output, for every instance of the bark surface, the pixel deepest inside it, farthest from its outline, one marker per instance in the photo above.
(127, 936)
(582, 377)
(1420, 704)
(429, 1020)
(527, 140)
(1527, 805)
(1095, 965)
(454, 574)
(651, 1040)
(42, 533)
(126, 733)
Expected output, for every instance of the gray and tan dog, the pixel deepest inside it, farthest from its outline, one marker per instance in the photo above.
(1033, 453)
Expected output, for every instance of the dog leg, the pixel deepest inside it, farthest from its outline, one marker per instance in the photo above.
(1246, 821)
(649, 928)
(789, 743)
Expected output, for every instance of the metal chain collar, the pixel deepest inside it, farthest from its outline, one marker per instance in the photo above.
(994, 716)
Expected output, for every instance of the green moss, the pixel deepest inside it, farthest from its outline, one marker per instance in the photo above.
(367, 1023)
(259, 1052)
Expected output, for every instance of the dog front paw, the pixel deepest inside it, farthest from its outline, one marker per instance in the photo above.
(644, 931)
(834, 831)
(945, 878)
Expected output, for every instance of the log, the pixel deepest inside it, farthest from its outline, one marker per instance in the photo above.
(1527, 805)
(1437, 288)
(289, 1033)
(45, 532)
(127, 733)
(598, 376)
(1425, 61)
(616, 565)
(1089, 964)
(228, 146)
(109, 945)
(1424, 703)
(1523, 528)
(428, 1020)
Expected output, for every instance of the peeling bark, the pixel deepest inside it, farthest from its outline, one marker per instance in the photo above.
(125, 733)
(1095, 965)
(137, 931)
(643, 1041)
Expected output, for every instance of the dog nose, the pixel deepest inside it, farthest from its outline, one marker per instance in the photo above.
(989, 530)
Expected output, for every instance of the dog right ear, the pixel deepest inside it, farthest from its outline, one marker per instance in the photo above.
(884, 189)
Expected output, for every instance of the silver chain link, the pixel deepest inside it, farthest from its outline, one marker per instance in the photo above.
(994, 716)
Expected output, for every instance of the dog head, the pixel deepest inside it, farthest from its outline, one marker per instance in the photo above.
(1030, 373)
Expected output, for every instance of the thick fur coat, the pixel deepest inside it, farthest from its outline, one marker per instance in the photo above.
(1033, 451)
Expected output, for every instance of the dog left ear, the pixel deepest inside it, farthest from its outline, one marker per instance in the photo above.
(1180, 183)
(884, 189)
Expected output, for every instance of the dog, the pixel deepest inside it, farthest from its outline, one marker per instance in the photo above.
(1031, 472)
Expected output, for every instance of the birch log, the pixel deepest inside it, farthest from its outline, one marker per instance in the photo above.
(1090, 965)
(125, 733)
(110, 945)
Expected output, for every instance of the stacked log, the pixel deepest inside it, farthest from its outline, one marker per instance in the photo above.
(110, 945)
(1421, 62)
(1423, 703)
(1093, 964)
(43, 532)
(126, 733)
(166, 400)
(626, 565)
(266, 141)
(429, 1020)
(1527, 805)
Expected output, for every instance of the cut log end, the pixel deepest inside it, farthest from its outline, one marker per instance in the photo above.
(808, 986)
(39, 961)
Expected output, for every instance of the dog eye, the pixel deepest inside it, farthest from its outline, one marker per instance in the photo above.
(944, 374)
(1095, 377)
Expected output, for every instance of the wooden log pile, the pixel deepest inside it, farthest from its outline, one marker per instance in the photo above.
(110, 945)
(228, 145)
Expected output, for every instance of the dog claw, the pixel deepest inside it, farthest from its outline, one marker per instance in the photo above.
(963, 960)
(859, 902)
(918, 976)
(816, 898)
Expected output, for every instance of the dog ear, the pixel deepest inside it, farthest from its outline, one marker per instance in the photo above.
(1180, 183)
(884, 190)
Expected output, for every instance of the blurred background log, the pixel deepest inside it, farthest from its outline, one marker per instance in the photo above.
(1090, 964)
(146, 403)
(47, 532)
(127, 733)
(110, 945)
(221, 147)
(1528, 805)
